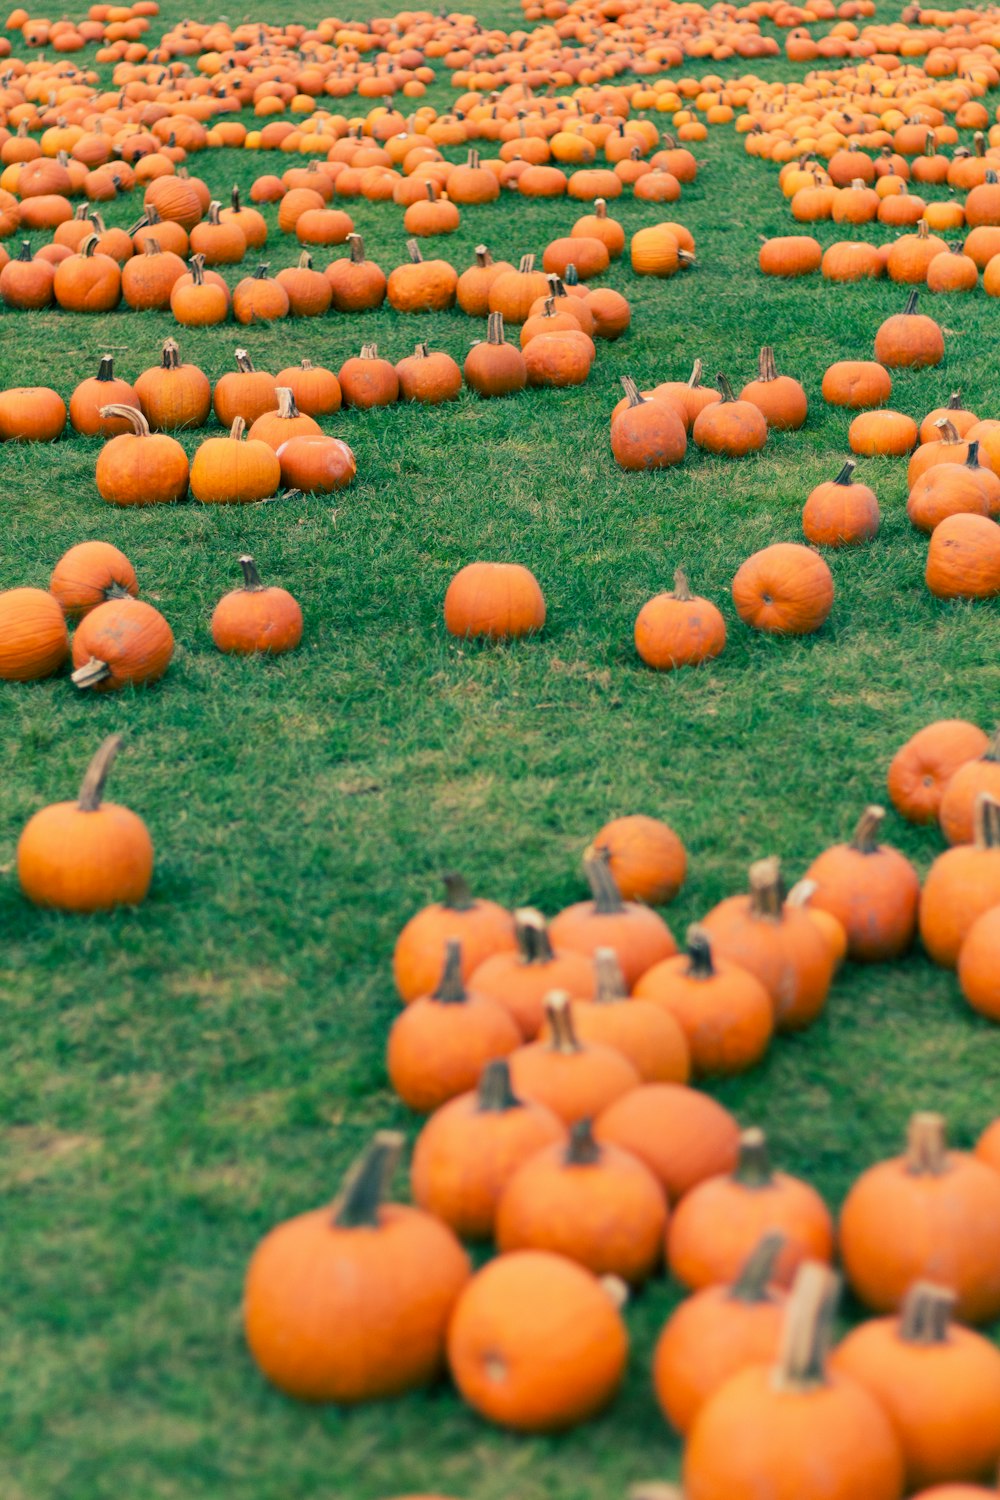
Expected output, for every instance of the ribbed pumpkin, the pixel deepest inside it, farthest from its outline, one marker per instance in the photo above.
(678, 629)
(638, 935)
(89, 574)
(781, 399)
(31, 414)
(88, 855)
(87, 282)
(472, 292)
(645, 856)
(308, 291)
(140, 467)
(33, 639)
(287, 422)
(258, 299)
(26, 280)
(427, 377)
(871, 889)
(730, 427)
(124, 641)
(219, 243)
(254, 619)
(233, 471)
(351, 1302)
(494, 367)
(520, 980)
(784, 589)
(576, 1080)
(512, 293)
(651, 1039)
(921, 769)
(244, 392)
(882, 433)
(682, 1135)
(197, 300)
(909, 340)
(148, 280)
(958, 802)
(97, 391)
(656, 251)
(857, 384)
(961, 884)
(317, 464)
(841, 512)
(367, 381)
(173, 395)
(953, 489)
(482, 927)
(646, 434)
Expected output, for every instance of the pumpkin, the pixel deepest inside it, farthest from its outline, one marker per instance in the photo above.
(493, 601)
(167, 233)
(652, 1041)
(780, 399)
(610, 311)
(678, 628)
(779, 944)
(428, 378)
(197, 301)
(472, 183)
(495, 368)
(33, 639)
(963, 560)
(587, 252)
(100, 390)
(175, 199)
(148, 280)
(430, 215)
(939, 1383)
(356, 284)
(961, 884)
(512, 293)
(921, 769)
(351, 1302)
(87, 282)
(785, 589)
(26, 280)
(790, 255)
(909, 340)
(953, 489)
(520, 980)
(647, 435)
(89, 574)
(31, 414)
(471, 1147)
(856, 383)
(689, 396)
(952, 271)
(421, 285)
(250, 220)
(932, 1212)
(683, 1136)
(88, 855)
(441, 1042)
(173, 395)
(121, 641)
(645, 856)
(308, 291)
(852, 260)
(958, 802)
(792, 1429)
(536, 1343)
(367, 381)
(482, 927)
(950, 448)
(258, 299)
(599, 225)
(979, 964)
(724, 1010)
(656, 251)
(140, 467)
(559, 359)
(218, 242)
(472, 291)
(871, 889)
(244, 392)
(316, 390)
(798, 898)
(988, 1145)
(909, 257)
(323, 226)
(594, 1204)
(549, 319)
(718, 1332)
(638, 935)
(961, 419)
(316, 464)
(234, 471)
(731, 427)
(255, 619)
(841, 512)
(720, 1221)
(276, 427)
(885, 433)
(576, 1080)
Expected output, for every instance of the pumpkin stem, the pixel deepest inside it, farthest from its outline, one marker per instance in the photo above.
(251, 578)
(413, 250)
(808, 1328)
(494, 1094)
(151, 247)
(369, 351)
(367, 1182)
(286, 401)
(88, 246)
(421, 350)
(635, 396)
(926, 1313)
(699, 952)
(305, 261)
(559, 1014)
(757, 1271)
(532, 936)
(106, 368)
(600, 208)
(972, 462)
(582, 1150)
(753, 1170)
(244, 363)
(494, 328)
(846, 474)
(954, 402)
(979, 143)
(130, 414)
(926, 1145)
(767, 369)
(610, 987)
(234, 198)
(457, 895)
(801, 894)
(197, 264)
(213, 211)
(949, 432)
(261, 272)
(654, 1490)
(483, 256)
(682, 587)
(90, 674)
(603, 886)
(431, 192)
(766, 888)
(526, 264)
(25, 251)
(450, 989)
(572, 276)
(237, 430)
(866, 832)
(725, 388)
(92, 786)
(911, 301)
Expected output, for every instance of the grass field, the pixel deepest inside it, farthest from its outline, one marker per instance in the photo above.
(178, 1078)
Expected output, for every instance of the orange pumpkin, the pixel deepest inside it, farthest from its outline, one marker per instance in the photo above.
(921, 769)
(173, 395)
(33, 639)
(961, 884)
(780, 399)
(909, 340)
(785, 589)
(521, 980)
(872, 890)
(482, 927)
(638, 935)
(255, 619)
(841, 512)
(98, 391)
(682, 1135)
(731, 427)
(645, 856)
(88, 575)
(139, 467)
(494, 601)
(956, 813)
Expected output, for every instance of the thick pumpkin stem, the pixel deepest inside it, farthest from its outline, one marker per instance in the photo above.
(197, 264)
(25, 251)
(106, 368)
(582, 1150)
(725, 387)
(753, 1283)
(286, 401)
(526, 264)
(457, 895)
(88, 246)
(305, 261)
(699, 953)
(694, 379)
(954, 401)
(610, 988)
(846, 475)
(244, 363)
(261, 272)
(911, 301)
(753, 1170)
(213, 211)
(532, 936)
(494, 1095)
(92, 785)
(369, 351)
(926, 1314)
(90, 674)
(949, 432)
(986, 822)
(600, 208)
(130, 414)
(451, 989)
(766, 888)
(972, 462)
(559, 1014)
(494, 328)
(682, 588)
(801, 893)
(632, 391)
(483, 257)
(767, 369)
(413, 251)
(234, 198)
(603, 886)
(572, 276)
(251, 578)
(926, 1145)
(421, 350)
(808, 1328)
(866, 832)
(237, 430)
(366, 1185)
(151, 247)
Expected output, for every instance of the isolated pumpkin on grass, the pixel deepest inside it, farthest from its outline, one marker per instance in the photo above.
(841, 512)
(254, 619)
(857, 384)
(494, 367)
(123, 641)
(909, 340)
(33, 639)
(784, 589)
(88, 855)
(678, 628)
(871, 889)
(494, 601)
(645, 856)
(521, 979)
(351, 1302)
(88, 575)
(428, 377)
(920, 770)
(31, 414)
(883, 433)
(483, 929)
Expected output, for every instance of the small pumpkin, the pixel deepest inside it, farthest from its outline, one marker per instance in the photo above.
(956, 813)
(494, 601)
(730, 427)
(428, 378)
(33, 639)
(790, 255)
(258, 299)
(953, 489)
(219, 242)
(232, 470)
(88, 282)
(857, 384)
(682, 1135)
(883, 433)
(31, 414)
(100, 390)
(308, 291)
(367, 381)
(909, 340)
(148, 280)
(472, 291)
(637, 934)
(173, 395)
(88, 575)
(198, 300)
(140, 467)
(841, 512)
(647, 434)
(963, 559)
(316, 390)
(254, 619)
(422, 285)
(784, 589)
(277, 427)
(781, 399)
(482, 927)
(559, 359)
(317, 464)
(356, 284)
(871, 889)
(576, 1080)
(512, 293)
(656, 251)
(123, 641)
(645, 856)
(494, 367)
(979, 965)
(960, 418)
(26, 280)
(520, 980)
(921, 769)
(679, 629)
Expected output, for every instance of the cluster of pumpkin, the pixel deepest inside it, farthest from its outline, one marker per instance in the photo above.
(118, 27)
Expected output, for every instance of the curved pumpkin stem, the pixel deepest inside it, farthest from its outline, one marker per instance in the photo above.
(949, 432)
(559, 1014)
(366, 1185)
(305, 261)
(532, 936)
(90, 674)
(88, 246)
(846, 475)
(213, 211)
(725, 387)
(753, 1169)
(753, 1283)
(238, 430)
(251, 578)
(494, 1094)
(694, 379)
(926, 1145)
(582, 1150)
(632, 391)
(699, 952)
(926, 1314)
(766, 888)
(451, 989)
(603, 886)
(197, 264)
(457, 895)
(866, 832)
(130, 414)
(610, 988)
(808, 1328)
(92, 785)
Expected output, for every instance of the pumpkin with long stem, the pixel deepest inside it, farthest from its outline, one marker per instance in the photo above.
(123, 641)
(536, 1343)
(512, 293)
(921, 769)
(494, 367)
(594, 1204)
(576, 1080)
(956, 813)
(651, 1039)
(871, 889)
(780, 398)
(88, 282)
(33, 639)
(961, 884)
(647, 434)
(97, 391)
(482, 927)
(960, 417)
(730, 427)
(938, 1382)
(520, 980)
(721, 1220)
(599, 225)
(277, 427)
(174, 395)
(645, 856)
(963, 559)
(841, 512)
(88, 575)
(351, 1302)
(929, 1213)
(638, 935)
(250, 220)
(440, 1043)
(88, 855)
(140, 467)
(356, 284)
(682, 1135)
(678, 628)
(220, 242)
(724, 1010)
(254, 619)
(791, 1430)
(721, 1330)
(494, 601)
(471, 1147)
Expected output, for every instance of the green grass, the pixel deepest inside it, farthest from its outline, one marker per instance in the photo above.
(180, 1077)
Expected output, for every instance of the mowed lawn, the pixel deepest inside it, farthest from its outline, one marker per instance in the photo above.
(178, 1078)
